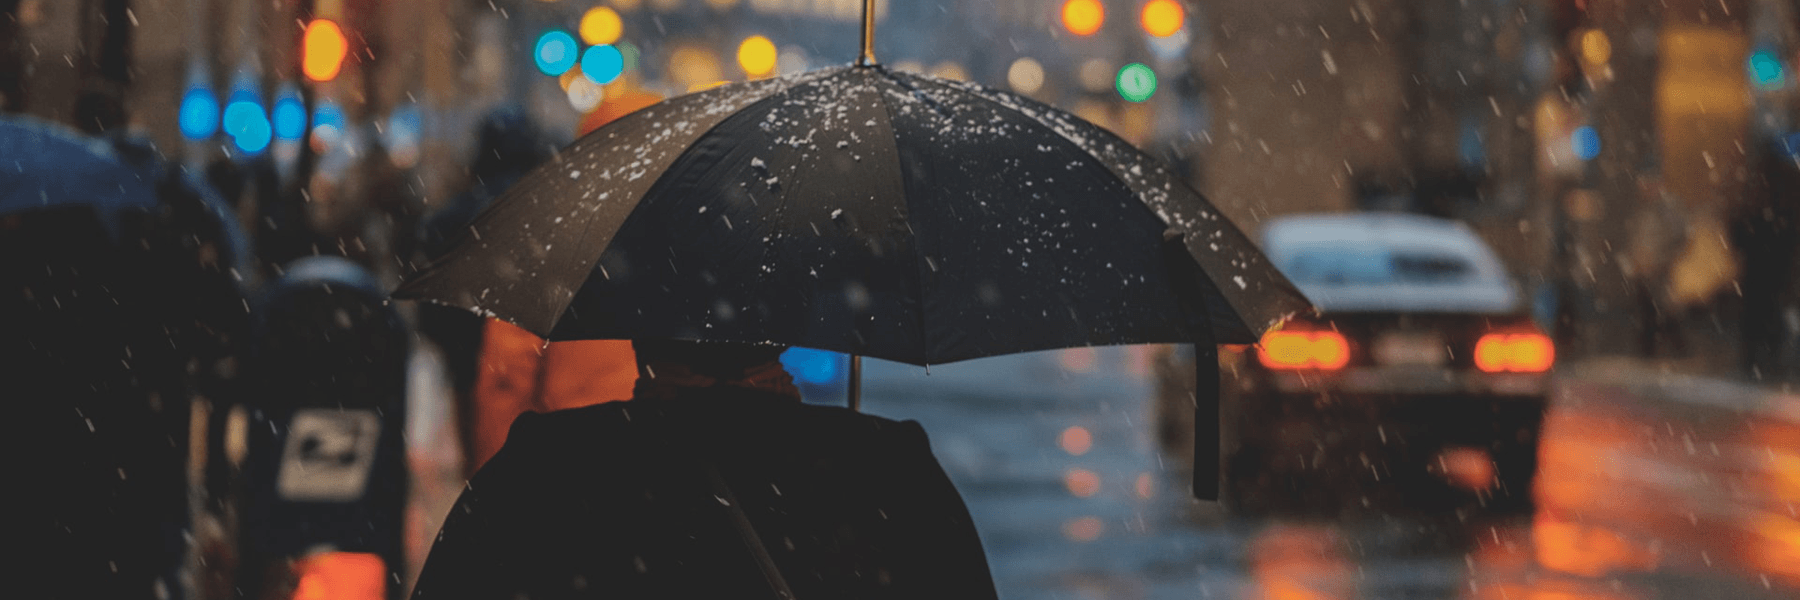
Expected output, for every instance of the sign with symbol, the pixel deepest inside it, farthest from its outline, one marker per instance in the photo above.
(329, 455)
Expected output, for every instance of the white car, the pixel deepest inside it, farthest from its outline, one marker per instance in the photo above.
(1421, 382)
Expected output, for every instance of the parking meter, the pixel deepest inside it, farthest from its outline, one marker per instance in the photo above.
(324, 479)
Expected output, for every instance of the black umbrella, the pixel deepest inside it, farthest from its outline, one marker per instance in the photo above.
(866, 211)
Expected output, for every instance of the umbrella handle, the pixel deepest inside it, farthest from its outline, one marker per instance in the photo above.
(856, 382)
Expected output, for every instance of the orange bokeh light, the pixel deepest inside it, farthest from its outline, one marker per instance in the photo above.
(1075, 440)
(1515, 353)
(1081, 482)
(323, 50)
(1162, 18)
(1084, 529)
(1304, 350)
(1083, 17)
(341, 576)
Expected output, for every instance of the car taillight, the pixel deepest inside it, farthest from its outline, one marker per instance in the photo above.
(341, 576)
(1290, 350)
(1514, 353)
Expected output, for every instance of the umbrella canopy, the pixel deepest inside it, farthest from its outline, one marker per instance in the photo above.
(47, 166)
(865, 211)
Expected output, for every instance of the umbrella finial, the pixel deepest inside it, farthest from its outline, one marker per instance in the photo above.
(868, 35)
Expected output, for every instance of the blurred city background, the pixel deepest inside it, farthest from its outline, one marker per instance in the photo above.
(1635, 165)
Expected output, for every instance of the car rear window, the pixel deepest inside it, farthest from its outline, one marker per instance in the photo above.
(1362, 266)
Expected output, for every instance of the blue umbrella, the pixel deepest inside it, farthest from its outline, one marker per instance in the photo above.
(46, 166)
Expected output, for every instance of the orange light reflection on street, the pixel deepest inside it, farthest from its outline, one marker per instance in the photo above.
(1290, 562)
(1081, 482)
(1075, 440)
(1084, 529)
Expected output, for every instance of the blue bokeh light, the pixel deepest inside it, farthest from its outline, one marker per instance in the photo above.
(248, 125)
(1585, 142)
(556, 52)
(199, 117)
(603, 64)
(290, 117)
(1766, 70)
(814, 367)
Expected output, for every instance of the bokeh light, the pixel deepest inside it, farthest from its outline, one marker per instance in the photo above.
(1084, 529)
(1162, 18)
(1596, 48)
(1096, 75)
(1766, 70)
(247, 124)
(1136, 82)
(951, 71)
(601, 25)
(1083, 17)
(555, 52)
(1026, 75)
(602, 64)
(585, 94)
(323, 49)
(289, 116)
(199, 118)
(1075, 440)
(1585, 142)
(757, 56)
(692, 66)
(1081, 482)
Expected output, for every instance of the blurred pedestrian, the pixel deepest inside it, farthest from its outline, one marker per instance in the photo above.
(1656, 236)
(713, 481)
(498, 370)
(120, 317)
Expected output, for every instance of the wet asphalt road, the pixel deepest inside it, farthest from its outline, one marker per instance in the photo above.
(1053, 453)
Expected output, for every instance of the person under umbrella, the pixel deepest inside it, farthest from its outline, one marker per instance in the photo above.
(713, 481)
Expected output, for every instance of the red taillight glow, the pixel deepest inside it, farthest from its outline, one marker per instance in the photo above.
(1325, 350)
(341, 576)
(1514, 353)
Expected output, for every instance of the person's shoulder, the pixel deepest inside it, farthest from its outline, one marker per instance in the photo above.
(607, 420)
(852, 426)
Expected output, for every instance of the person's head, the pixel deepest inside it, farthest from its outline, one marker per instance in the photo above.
(707, 358)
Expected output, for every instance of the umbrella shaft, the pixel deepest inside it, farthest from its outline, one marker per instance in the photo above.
(868, 34)
(856, 382)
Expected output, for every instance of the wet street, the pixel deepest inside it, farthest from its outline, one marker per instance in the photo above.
(1651, 488)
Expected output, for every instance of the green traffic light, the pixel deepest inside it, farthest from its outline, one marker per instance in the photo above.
(1136, 82)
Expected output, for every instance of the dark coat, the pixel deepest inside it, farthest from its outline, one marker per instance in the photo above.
(614, 501)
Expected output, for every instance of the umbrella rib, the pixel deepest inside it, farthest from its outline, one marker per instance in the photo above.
(887, 110)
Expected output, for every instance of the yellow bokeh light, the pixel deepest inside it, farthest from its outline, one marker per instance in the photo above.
(323, 49)
(692, 66)
(1083, 17)
(601, 25)
(1596, 48)
(1162, 18)
(756, 55)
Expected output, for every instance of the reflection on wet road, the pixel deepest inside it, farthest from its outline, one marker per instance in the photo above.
(1650, 489)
